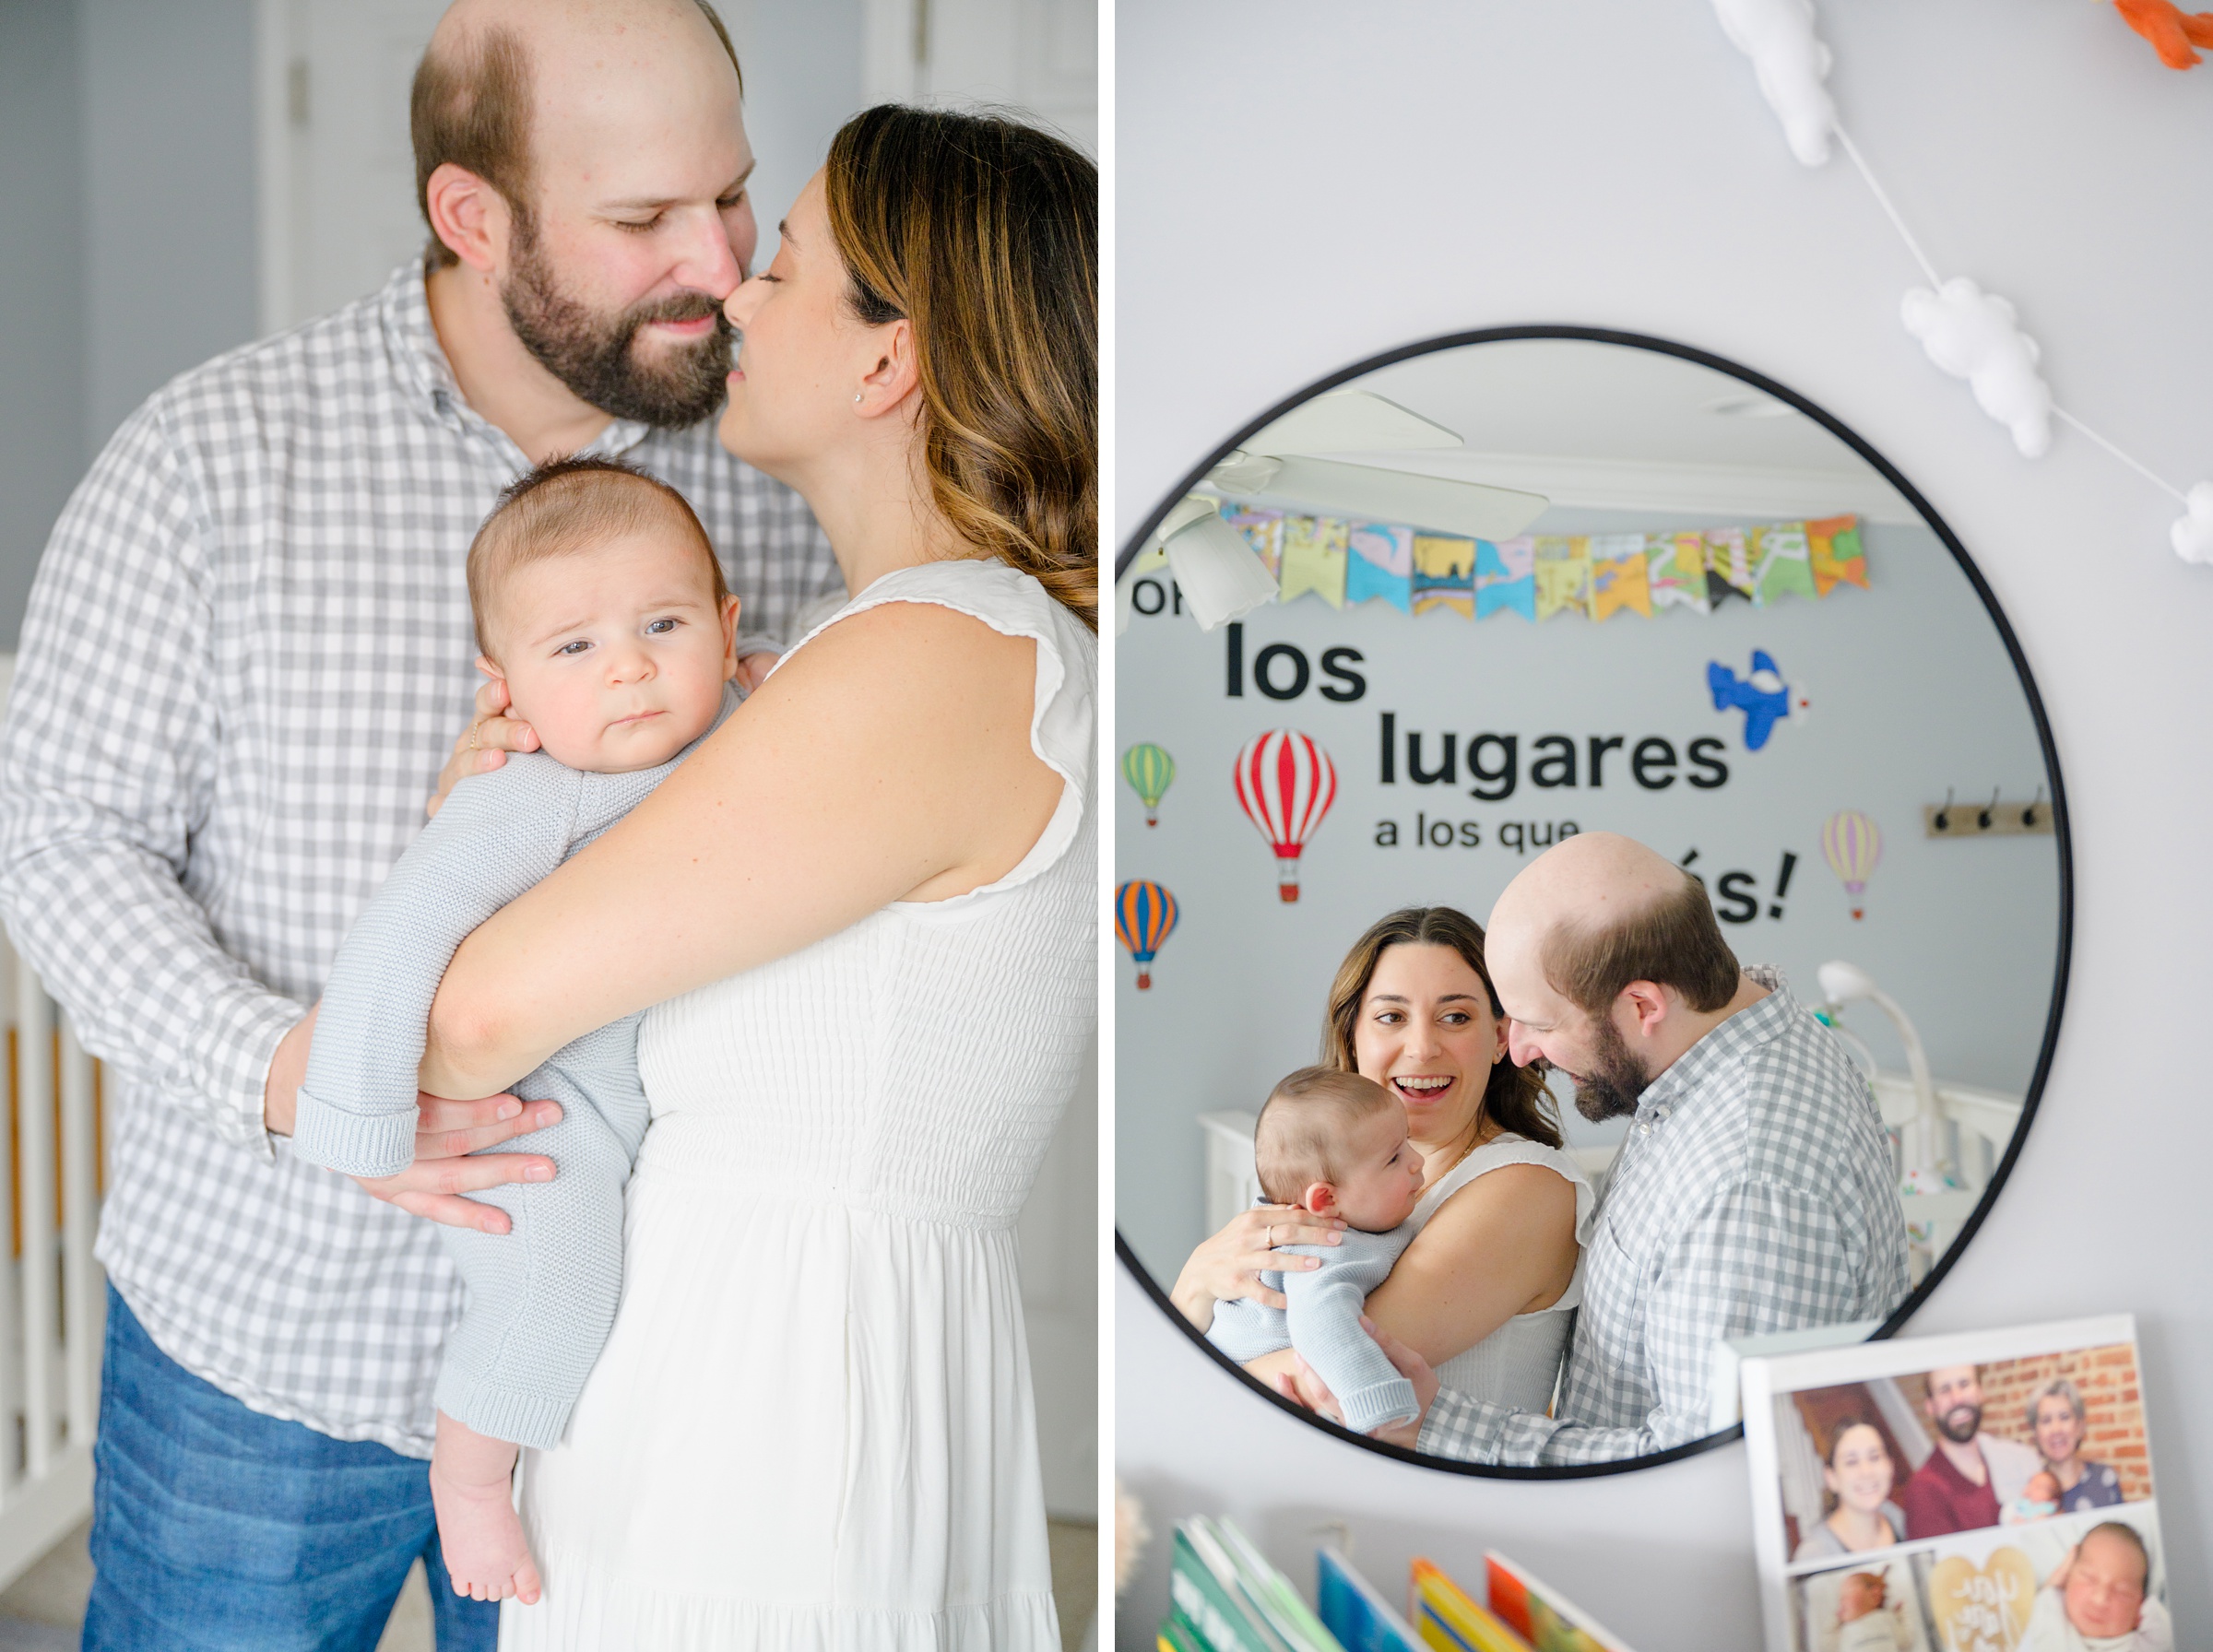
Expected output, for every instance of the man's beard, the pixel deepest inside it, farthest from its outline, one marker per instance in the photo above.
(1948, 1425)
(1615, 1081)
(593, 356)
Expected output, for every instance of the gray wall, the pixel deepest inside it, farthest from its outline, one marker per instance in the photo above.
(41, 307)
(126, 185)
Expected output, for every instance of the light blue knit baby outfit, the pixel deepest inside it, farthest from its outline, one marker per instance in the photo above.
(1323, 1323)
(542, 1297)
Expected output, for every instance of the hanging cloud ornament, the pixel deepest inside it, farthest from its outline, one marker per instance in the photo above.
(1791, 63)
(2193, 535)
(1972, 335)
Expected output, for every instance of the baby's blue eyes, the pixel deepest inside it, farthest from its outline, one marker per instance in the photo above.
(654, 628)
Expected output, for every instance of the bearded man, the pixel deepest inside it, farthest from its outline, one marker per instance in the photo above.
(246, 655)
(1970, 1476)
(1753, 1192)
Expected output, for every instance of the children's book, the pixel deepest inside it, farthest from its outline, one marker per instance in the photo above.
(1227, 1596)
(1351, 1610)
(1447, 1620)
(1542, 1615)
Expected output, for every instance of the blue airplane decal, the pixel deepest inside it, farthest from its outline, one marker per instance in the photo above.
(1761, 695)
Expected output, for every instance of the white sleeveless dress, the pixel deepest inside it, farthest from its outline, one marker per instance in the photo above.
(1518, 1363)
(811, 1427)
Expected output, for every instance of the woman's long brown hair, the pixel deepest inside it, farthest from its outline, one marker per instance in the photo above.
(984, 234)
(1515, 1098)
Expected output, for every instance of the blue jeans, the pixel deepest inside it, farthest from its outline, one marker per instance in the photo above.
(217, 1528)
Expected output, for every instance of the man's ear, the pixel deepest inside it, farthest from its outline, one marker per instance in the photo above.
(1647, 1005)
(897, 373)
(1320, 1200)
(468, 215)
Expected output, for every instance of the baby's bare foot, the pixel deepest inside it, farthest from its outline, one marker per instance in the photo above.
(482, 1540)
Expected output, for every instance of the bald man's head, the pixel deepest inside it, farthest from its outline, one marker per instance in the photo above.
(1599, 911)
(472, 101)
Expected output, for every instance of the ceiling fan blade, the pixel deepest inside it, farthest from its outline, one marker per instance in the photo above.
(1367, 490)
(1350, 421)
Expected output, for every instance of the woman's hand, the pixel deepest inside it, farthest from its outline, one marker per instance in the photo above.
(1229, 1265)
(483, 746)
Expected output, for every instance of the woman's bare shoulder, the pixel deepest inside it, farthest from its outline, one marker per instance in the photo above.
(1511, 1196)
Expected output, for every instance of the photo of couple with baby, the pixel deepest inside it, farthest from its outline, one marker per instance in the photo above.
(651, 1116)
(2038, 1463)
(1431, 1265)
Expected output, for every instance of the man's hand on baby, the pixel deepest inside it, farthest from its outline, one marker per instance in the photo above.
(483, 746)
(446, 1134)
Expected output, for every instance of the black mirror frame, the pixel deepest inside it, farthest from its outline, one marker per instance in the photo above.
(1844, 433)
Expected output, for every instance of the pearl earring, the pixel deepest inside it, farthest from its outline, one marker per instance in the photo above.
(856, 395)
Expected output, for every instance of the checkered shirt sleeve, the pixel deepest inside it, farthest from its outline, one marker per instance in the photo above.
(106, 771)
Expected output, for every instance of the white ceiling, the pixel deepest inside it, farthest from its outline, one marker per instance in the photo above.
(1611, 426)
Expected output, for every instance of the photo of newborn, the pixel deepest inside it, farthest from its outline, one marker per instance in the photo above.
(2092, 1582)
(1865, 1607)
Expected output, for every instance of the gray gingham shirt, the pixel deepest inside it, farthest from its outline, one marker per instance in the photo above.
(246, 656)
(1755, 1193)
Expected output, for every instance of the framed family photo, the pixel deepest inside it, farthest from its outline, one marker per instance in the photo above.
(1981, 1491)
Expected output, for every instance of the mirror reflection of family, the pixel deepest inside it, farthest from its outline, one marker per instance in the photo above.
(1532, 1323)
(654, 1115)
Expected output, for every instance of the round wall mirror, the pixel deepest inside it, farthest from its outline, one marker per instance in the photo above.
(1465, 602)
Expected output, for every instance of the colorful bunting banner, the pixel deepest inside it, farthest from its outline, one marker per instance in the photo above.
(1597, 576)
(1444, 574)
(1506, 577)
(1314, 558)
(1380, 562)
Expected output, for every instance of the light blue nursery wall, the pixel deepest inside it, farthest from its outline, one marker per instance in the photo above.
(1295, 191)
(1912, 692)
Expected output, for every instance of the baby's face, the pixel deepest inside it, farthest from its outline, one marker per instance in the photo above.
(616, 656)
(2042, 1488)
(1382, 1182)
(1859, 1595)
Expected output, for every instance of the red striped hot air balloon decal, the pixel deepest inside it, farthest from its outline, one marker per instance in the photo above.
(1285, 783)
(1145, 915)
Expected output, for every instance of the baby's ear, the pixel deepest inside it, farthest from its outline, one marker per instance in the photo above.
(1320, 1200)
(491, 667)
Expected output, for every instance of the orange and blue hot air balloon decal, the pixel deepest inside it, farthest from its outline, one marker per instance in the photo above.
(1852, 844)
(1145, 915)
(1286, 782)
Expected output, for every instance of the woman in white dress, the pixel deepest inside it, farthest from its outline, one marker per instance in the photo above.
(1488, 1291)
(867, 910)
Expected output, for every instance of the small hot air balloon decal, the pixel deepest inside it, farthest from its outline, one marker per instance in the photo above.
(1286, 782)
(1852, 844)
(1145, 915)
(1150, 772)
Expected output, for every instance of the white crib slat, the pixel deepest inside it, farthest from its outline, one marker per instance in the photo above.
(34, 1139)
(82, 1304)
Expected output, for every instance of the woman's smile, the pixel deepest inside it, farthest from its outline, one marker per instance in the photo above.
(1421, 1089)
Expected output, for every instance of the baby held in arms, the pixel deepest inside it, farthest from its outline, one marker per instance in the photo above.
(599, 601)
(1333, 1144)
